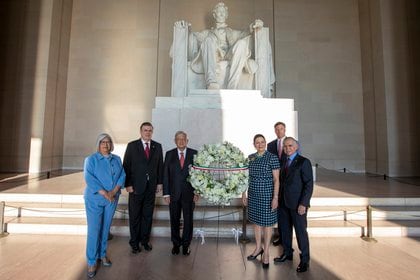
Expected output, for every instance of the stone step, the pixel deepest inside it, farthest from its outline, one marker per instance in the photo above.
(211, 228)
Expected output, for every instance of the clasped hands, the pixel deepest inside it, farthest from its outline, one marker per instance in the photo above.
(110, 195)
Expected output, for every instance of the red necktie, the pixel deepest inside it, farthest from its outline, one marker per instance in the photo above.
(182, 159)
(147, 151)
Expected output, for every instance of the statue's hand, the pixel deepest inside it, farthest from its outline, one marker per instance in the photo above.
(258, 24)
(182, 24)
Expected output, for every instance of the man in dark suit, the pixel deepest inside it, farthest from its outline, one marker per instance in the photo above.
(179, 193)
(296, 187)
(276, 147)
(143, 165)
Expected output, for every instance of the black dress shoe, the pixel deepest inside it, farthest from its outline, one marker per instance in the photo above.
(283, 258)
(252, 257)
(91, 271)
(302, 267)
(175, 250)
(265, 265)
(277, 242)
(186, 250)
(147, 247)
(135, 250)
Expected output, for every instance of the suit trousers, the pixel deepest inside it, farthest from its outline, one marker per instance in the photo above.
(140, 211)
(187, 208)
(99, 214)
(279, 226)
(290, 219)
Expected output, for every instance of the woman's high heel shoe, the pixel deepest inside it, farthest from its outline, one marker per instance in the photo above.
(252, 257)
(265, 265)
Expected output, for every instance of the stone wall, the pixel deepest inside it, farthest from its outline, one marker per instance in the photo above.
(71, 69)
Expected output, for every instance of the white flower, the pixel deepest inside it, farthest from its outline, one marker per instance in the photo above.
(219, 172)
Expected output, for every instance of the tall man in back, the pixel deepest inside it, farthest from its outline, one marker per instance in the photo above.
(143, 165)
(179, 193)
(276, 147)
(296, 187)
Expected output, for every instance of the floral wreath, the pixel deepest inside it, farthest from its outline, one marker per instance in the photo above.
(219, 173)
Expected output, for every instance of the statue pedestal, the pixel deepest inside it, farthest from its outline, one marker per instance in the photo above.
(212, 116)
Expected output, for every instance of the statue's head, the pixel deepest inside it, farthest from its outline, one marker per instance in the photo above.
(220, 12)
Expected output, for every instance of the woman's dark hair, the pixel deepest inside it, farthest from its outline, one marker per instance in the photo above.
(258, 136)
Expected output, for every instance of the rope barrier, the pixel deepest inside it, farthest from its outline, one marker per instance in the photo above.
(345, 213)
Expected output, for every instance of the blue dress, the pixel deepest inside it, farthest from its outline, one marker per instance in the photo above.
(261, 188)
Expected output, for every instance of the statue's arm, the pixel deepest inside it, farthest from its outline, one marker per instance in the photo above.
(195, 40)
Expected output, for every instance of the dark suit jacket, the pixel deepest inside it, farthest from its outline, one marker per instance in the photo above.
(272, 148)
(174, 178)
(139, 170)
(297, 185)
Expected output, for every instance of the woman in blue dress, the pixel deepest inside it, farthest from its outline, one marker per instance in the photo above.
(262, 198)
(104, 176)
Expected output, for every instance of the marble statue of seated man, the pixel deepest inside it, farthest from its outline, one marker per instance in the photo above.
(221, 43)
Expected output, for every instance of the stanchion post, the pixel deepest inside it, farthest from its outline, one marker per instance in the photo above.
(244, 239)
(369, 220)
(369, 234)
(2, 205)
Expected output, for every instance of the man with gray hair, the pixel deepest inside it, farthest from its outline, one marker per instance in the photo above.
(296, 187)
(179, 193)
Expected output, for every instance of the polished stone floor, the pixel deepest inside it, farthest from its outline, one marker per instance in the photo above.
(62, 257)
